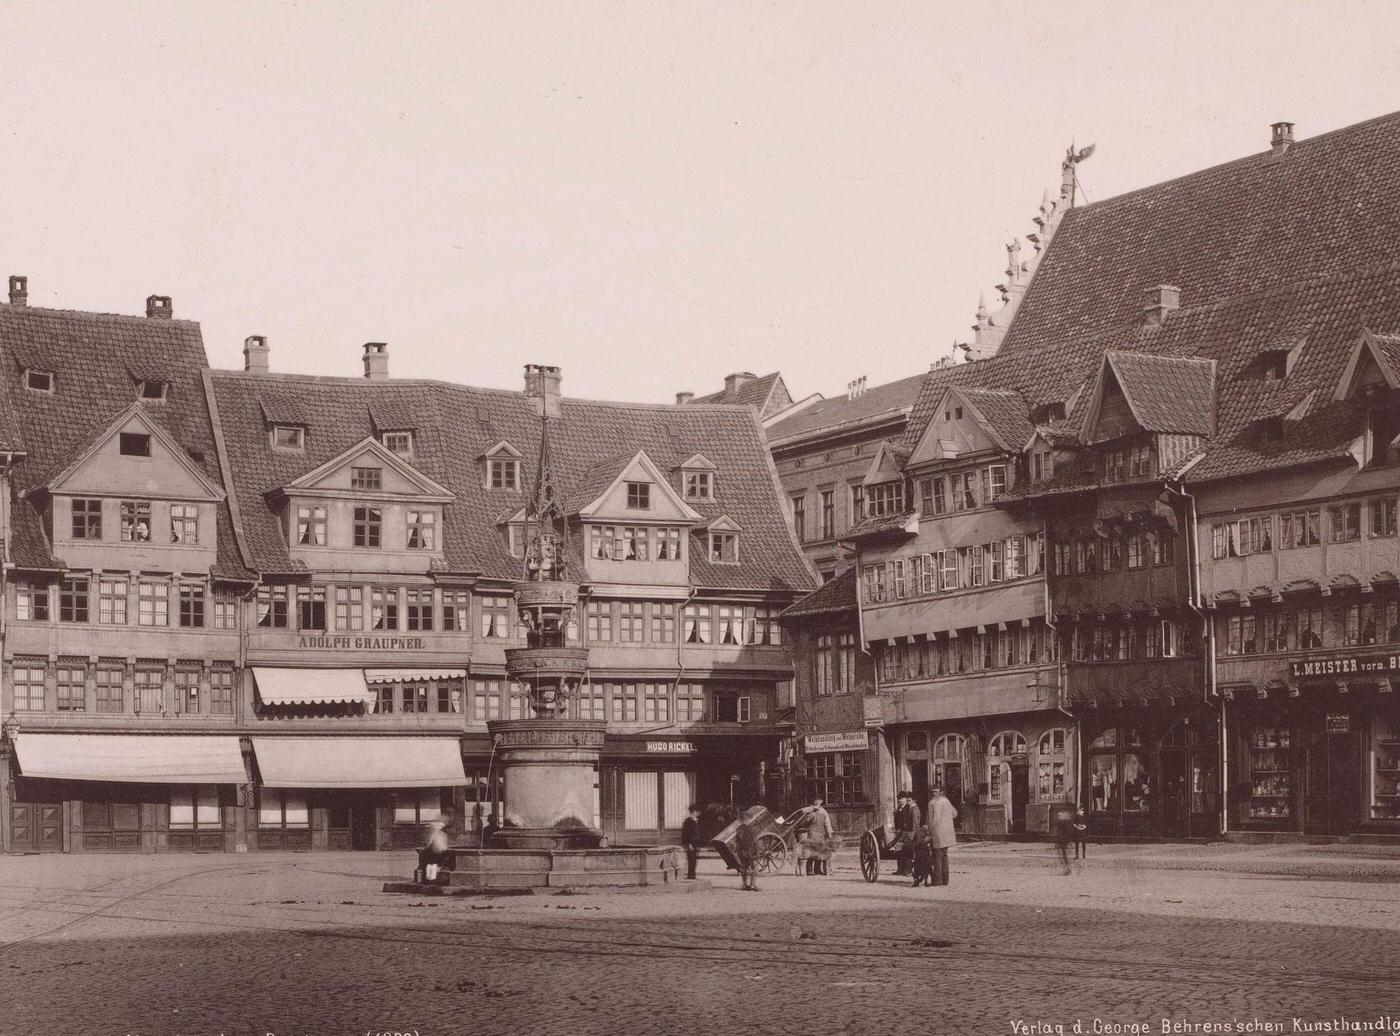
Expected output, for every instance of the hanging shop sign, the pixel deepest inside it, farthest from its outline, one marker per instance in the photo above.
(1346, 665)
(1338, 723)
(853, 741)
(873, 710)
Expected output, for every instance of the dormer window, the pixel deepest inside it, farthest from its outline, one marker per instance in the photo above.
(1048, 413)
(152, 391)
(639, 496)
(515, 539)
(134, 444)
(398, 443)
(288, 437)
(699, 485)
(503, 473)
(38, 381)
(1042, 465)
(884, 499)
(366, 478)
(1382, 430)
(724, 547)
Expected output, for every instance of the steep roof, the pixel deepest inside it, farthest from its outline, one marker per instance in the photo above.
(93, 357)
(1171, 395)
(1327, 205)
(756, 392)
(833, 597)
(1006, 415)
(454, 425)
(827, 415)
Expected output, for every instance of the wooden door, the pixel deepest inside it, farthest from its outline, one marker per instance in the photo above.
(36, 827)
(1020, 791)
(1332, 782)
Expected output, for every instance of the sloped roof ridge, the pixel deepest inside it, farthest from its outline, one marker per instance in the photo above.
(88, 314)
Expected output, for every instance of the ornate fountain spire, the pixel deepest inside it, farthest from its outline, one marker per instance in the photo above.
(546, 528)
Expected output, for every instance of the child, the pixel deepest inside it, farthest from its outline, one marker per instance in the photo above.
(1081, 835)
(923, 857)
(746, 855)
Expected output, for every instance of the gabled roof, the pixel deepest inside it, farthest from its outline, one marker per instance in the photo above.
(1381, 350)
(876, 405)
(836, 596)
(593, 497)
(138, 412)
(761, 393)
(427, 489)
(1002, 413)
(887, 464)
(1168, 395)
(502, 448)
(697, 462)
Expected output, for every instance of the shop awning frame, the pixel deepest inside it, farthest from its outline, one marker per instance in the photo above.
(279, 686)
(359, 762)
(132, 758)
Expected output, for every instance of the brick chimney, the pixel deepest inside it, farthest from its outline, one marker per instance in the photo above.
(1282, 137)
(542, 387)
(1158, 301)
(682, 398)
(855, 389)
(159, 307)
(255, 352)
(19, 290)
(377, 361)
(734, 382)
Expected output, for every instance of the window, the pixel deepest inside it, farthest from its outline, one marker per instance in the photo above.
(857, 502)
(503, 474)
(221, 692)
(600, 542)
(656, 702)
(1299, 529)
(690, 703)
(187, 691)
(136, 521)
(87, 519)
(288, 437)
(398, 443)
(111, 599)
(1042, 465)
(195, 809)
(1344, 523)
(599, 622)
(153, 604)
(422, 530)
(134, 444)
(32, 602)
(668, 544)
(311, 526)
(962, 489)
(38, 381)
(184, 524)
(1309, 626)
(948, 570)
(486, 699)
(999, 751)
(282, 809)
(449, 697)
(624, 703)
(731, 707)
(1113, 554)
(634, 543)
(72, 689)
(29, 687)
(1113, 466)
(366, 478)
(1140, 461)
(1136, 552)
(1163, 546)
(799, 517)
(874, 584)
(109, 689)
(1050, 765)
(836, 777)
(456, 611)
(897, 585)
(699, 485)
(272, 607)
(764, 628)
(148, 690)
(994, 481)
(1087, 555)
(311, 607)
(1382, 517)
(885, 499)
(631, 622)
(1360, 626)
(495, 617)
(730, 624)
(828, 514)
(418, 608)
(415, 697)
(368, 523)
(994, 555)
(383, 608)
(639, 496)
(192, 605)
(724, 548)
(349, 608)
(663, 622)
(697, 623)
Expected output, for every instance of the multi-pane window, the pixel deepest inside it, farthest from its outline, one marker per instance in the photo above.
(1383, 517)
(72, 688)
(311, 526)
(668, 544)
(828, 513)
(1362, 625)
(418, 605)
(656, 702)
(1163, 546)
(184, 523)
(624, 703)
(29, 687)
(384, 608)
(634, 543)
(415, 697)
(456, 611)
(885, 499)
(724, 547)
(699, 485)
(311, 607)
(698, 628)
(1061, 558)
(111, 599)
(639, 496)
(631, 622)
(1308, 622)
(599, 623)
(87, 519)
(153, 604)
(1140, 461)
(366, 478)
(495, 617)
(422, 530)
(349, 608)
(764, 627)
(1113, 466)
(288, 437)
(109, 690)
(731, 621)
(799, 517)
(963, 490)
(148, 690)
(874, 576)
(449, 696)
(135, 521)
(504, 473)
(272, 607)
(948, 571)
(1343, 523)
(1137, 554)
(398, 443)
(221, 692)
(1042, 465)
(1087, 555)
(663, 622)
(1050, 764)
(187, 691)
(1112, 554)
(690, 703)
(835, 777)
(1299, 529)
(32, 602)
(600, 542)
(857, 501)
(385, 699)
(192, 605)
(994, 481)
(368, 526)
(836, 663)
(486, 699)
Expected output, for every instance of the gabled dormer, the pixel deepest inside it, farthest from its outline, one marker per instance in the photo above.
(1371, 379)
(723, 541)
(699, 478)
(634, 522)
(512, 528)
(366, 509)
(638, 492)
(1040, 456)
(972, 422)
(133, 488)
(501, 469)
(884, 482)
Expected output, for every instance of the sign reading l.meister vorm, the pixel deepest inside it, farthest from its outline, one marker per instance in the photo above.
(1345, 665)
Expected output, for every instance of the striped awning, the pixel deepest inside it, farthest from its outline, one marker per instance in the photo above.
(409, 675)
(310, 686)
(359, 762)
(132, 758)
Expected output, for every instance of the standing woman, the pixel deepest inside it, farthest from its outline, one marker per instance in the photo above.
(820, 835)
(941, 814)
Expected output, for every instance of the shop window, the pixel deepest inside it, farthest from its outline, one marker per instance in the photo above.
(195, 809)
(836, 777)
(1385, 762)
(1103, 783)
(1050, 765)
(420, 805)
(282, 808)
(1271, 775)
(999, 751)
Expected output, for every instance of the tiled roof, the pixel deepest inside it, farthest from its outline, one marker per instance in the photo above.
(1326, 206)
(1006, 412)
(1390, 351)
(455, 425)
(880, 525)
(881, 401)
(1167, 394)
(836, 595)
(754, 393)
(92, 356)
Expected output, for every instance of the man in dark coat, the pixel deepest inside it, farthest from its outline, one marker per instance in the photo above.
(906, 820)
(690, 840)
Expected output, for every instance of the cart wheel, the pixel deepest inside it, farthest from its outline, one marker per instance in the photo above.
(772, 853)
(869, 857)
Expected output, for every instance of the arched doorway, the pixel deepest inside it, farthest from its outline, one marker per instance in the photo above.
(1189, 785)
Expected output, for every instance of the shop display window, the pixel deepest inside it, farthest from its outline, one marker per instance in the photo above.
(1137, 784)
(1271, 773)
(1103, 782)
(1385, 770)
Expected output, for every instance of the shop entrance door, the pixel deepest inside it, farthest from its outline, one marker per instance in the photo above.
(363, 827)
(1020, 793)
(952, 787)
(918, 776)
(1332, 777)
(36, 827)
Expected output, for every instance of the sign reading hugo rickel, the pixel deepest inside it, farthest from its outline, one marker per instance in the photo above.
(363, 643)
(1345, 665)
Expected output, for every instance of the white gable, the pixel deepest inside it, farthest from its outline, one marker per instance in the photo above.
(396, 476)
(954, 430)
(664, 505)
(167, 472)
(699, 462)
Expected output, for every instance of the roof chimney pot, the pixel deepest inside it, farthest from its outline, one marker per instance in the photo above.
(255, 352)
(159, 307)
(734, 382)
(542, 387)
(377, 361)
(1282, 137)
(19, 290)
(682, 398)
(1159, 301)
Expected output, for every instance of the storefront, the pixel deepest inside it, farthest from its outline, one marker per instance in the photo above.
(841, 768)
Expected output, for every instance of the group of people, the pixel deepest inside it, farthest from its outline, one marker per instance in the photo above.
(920, 847)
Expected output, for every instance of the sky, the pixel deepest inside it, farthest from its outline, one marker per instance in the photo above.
(650, 195)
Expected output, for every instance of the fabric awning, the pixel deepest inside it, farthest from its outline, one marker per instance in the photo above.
(409, 675)
(310, 686)
(359, 762)
(132, 758)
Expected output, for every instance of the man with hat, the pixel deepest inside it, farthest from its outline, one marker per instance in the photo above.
(906, 820)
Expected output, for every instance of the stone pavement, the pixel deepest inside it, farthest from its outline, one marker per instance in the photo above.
(307, 943)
